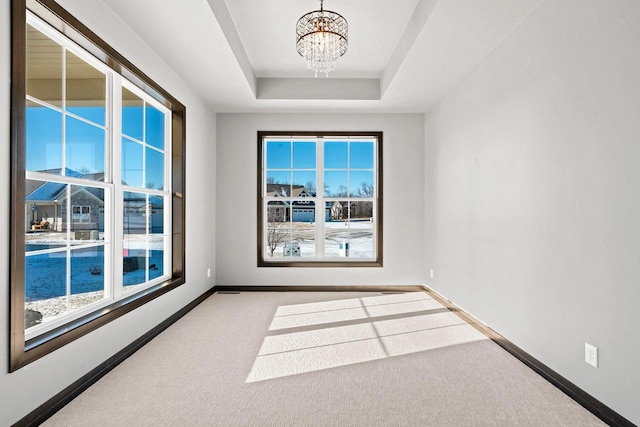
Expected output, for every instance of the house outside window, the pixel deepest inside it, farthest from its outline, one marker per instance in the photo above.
(328, 186)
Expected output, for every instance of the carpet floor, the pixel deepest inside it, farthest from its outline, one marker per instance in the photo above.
(322, 359)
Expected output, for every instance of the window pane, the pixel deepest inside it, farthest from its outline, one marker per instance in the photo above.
(306, 180)
(44, 139)
(360, 211)
(135, 238)
(135, 214)
(45, 212)
(361, 156)
(303, 237)
(278, 227)
(335, 155)
(156, 205)
(87, 276)
(44, 67)
(278, 183)
(45, 287)
(85, 149)
(157, 247)
(361, 230)
(335, 183)
(45, 276)
(336, 228)
(87, 222)
(131, 163)
(361, 183)
(154, 168)
(304, 155)
(85, 89)
(132, 119)
(278, 155)
(154, 127)
(134, 262)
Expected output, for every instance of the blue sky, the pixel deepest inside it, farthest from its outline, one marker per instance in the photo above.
(346, 163)
(85, 142)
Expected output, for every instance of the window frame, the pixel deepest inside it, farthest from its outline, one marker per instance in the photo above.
(23, 352)
(262, 136)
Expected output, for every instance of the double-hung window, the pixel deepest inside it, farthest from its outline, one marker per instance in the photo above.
(319, 199)
(98, 179)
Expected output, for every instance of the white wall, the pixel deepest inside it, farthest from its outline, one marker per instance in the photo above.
(26, 389)
(533, 184)
(403, 199)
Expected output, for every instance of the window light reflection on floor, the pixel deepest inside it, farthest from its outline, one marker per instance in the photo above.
(311, 337)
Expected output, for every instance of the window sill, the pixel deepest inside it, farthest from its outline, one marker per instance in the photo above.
(321, 264)
(52, 340)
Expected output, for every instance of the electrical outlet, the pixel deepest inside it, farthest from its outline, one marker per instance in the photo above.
(591, 354)
(431, 272)
(208, 272)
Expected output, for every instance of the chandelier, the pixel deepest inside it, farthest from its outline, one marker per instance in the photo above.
(321, 38)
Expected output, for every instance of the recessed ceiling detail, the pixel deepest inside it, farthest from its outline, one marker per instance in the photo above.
(238, 55)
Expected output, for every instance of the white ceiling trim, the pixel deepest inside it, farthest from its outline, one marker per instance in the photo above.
(318, 88)
(418, 20)
(228, 27)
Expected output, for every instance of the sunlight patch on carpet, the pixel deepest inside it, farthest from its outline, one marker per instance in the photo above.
(352, 340)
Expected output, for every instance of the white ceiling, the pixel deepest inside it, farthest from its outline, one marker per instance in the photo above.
(267, 30)
(240, 54)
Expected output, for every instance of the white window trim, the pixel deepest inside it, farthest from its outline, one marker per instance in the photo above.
(319, 201)
(113, 189)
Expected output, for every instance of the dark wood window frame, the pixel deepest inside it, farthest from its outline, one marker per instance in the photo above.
(21, 352)
(377, 262)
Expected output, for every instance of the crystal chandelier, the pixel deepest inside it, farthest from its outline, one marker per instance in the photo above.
(321, 38)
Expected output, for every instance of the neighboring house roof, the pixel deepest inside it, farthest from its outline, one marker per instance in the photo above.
(54, 191)
(47, 192)
(282, 190)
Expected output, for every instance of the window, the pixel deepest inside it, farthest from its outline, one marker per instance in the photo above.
(98, 184)
(81, 214)
(319, 199)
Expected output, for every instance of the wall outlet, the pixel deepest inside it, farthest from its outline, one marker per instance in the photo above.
(208, 272)
(591, 354)
(431, 273)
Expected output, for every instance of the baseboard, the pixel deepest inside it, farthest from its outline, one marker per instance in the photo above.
(57, 402)
(318, 288)
(587, 401)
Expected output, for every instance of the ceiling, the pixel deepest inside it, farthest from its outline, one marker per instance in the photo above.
(403, 55)
(267, 31)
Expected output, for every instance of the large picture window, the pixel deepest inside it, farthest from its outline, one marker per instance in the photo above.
(320, 199)
(98, 183)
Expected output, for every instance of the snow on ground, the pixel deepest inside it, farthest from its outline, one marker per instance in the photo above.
(358, 235)
(45, 273)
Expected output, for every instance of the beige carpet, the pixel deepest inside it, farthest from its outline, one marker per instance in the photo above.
(322, 359)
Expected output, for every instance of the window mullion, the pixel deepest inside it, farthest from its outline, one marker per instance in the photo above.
(64, 112)
(320, 203)
(116, 209)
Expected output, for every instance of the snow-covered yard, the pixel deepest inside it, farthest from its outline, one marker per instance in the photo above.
(358, 235)
(45, 273)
